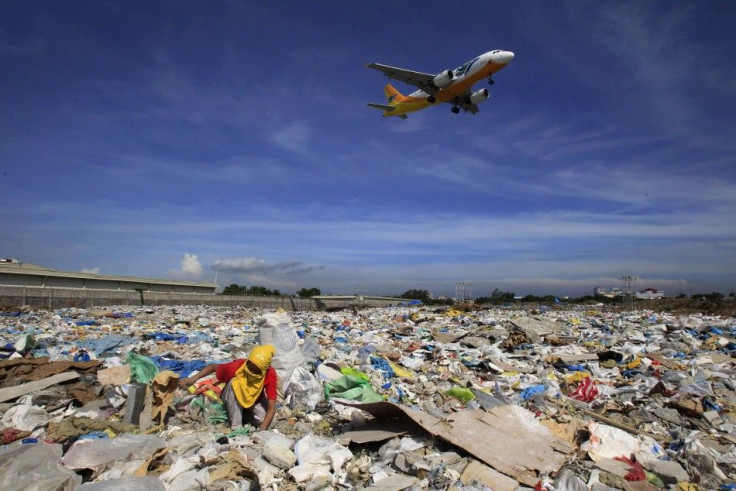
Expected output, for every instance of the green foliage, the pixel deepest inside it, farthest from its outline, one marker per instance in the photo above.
(543, 299)
(234, 289)
(422, 295)
(308, 293)
(708, 296)
(498, 297)
(262, 291)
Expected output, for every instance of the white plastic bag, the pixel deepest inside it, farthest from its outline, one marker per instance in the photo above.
(277, 329)
(313, 449)
(304, 388)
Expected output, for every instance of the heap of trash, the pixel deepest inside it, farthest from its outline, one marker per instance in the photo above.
(386, 398)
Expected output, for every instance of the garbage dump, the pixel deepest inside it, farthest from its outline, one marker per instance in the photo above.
(408, 397)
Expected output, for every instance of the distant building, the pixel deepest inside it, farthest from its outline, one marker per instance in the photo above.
(649, 294)
(613, 292)
(16, 273)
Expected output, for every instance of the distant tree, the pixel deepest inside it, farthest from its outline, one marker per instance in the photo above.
(681, 295)
(708, 296)
(422, 295)
(309, 293)
(234, 289)
(497, 296)
(262, 291)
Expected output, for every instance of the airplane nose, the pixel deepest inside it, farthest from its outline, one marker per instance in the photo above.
(505, 57)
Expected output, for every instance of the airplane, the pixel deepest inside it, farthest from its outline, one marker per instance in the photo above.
(453, 86)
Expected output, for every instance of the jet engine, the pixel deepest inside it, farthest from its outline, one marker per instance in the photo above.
(442, 80)
(478, 96)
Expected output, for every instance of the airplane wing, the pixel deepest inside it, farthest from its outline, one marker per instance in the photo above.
(418, 79)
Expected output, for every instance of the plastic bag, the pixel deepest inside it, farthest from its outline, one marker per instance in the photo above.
(319, 450)
(142, 368)
(304, 388)
(352, 372)
(311, 350)
(277, 329)
(461, 393)
(352, 388)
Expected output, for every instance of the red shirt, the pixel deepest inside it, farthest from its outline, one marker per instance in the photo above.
(225, 371)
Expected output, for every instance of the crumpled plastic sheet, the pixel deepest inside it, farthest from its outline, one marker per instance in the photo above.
(607, 442)
(105, 344)
(145, 483)
(35, 467)
(352, 388)
(91, 453)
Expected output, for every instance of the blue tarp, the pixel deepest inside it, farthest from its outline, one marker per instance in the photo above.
(105, 343)
(179, 367)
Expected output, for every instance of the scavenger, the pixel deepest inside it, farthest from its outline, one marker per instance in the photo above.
(250, 393)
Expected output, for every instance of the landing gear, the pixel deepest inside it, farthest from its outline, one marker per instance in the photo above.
(455, 109)
(431, 99)
(491, 81)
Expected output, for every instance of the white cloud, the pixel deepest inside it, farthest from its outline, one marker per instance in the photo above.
(94, 270)
(190, 267)
(190, 264)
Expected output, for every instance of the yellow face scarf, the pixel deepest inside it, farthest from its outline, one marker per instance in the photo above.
(247, 385)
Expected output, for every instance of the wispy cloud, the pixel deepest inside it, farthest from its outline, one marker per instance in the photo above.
(294, 137)
(251, 265)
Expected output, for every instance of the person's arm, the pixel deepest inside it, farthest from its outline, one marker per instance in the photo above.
(270, 412)
(208, 370)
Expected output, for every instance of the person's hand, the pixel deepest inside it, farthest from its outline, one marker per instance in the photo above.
(184, 383)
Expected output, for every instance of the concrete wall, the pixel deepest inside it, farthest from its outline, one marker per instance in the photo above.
(55, 298)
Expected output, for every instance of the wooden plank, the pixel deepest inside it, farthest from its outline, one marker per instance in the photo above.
(10, 393)
(572, 357)
(507, 438)
(477, 471)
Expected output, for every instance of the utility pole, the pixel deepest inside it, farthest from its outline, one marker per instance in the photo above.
(629, 295)
(462, 291)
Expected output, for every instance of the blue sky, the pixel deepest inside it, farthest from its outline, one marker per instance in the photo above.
(172, 139)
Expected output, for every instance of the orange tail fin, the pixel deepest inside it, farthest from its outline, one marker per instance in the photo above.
(393, 96)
